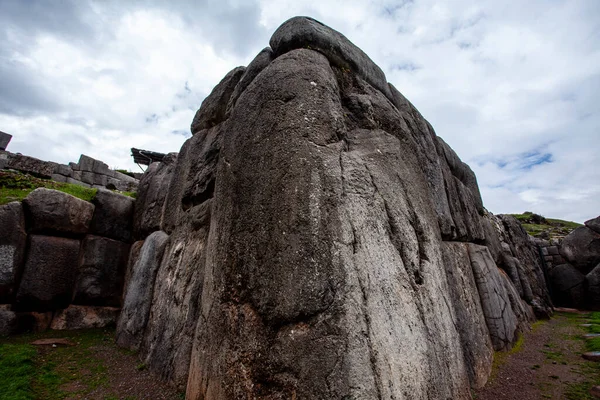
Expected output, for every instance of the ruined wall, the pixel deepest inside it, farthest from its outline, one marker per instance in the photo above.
(62, 260)
(88, 172)
(316, 239)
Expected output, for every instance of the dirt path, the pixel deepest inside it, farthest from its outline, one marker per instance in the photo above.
(546, 365)
(91, 366)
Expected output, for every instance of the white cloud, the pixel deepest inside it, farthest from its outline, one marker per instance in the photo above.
(498, 80)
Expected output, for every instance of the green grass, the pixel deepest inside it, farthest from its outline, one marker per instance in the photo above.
(16, 371)
(589, 370)
(16, 186)
(536, 225)
(26, 373)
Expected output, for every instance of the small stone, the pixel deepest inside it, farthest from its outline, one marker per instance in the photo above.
(53, 342)
(592, 356)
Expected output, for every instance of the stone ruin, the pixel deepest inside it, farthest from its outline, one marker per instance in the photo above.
(88, 172)
(313, 239)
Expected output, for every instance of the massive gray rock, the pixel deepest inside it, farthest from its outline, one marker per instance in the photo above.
(49, 274)
(581, 248)
(113, 215)
(152, 192)
(324, 243)
(138, 300)
(252, 70)
(42, 169)
(84, 317)
(567, 286)
(57, 212)
(592, 288)
(214, 107)
(12, 248)
(593, 224)
(307, 33)
(101, 272)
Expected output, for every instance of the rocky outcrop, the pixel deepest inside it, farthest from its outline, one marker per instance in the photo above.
(322, 242)
(113, 215)
(49, 274)
(581, 248)
(12, 248)
(57, 212)
(50, 260)
(138, 300)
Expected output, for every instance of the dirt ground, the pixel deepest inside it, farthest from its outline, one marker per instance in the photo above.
(548, 364)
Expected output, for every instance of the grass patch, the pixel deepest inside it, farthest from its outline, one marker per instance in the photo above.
(537, 225)
(15, 186)
(16, 371)
(27, 372)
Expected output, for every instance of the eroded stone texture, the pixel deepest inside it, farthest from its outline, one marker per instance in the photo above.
(252, 70)
(113, 215)
(153, 189)
(470, 320)
(592, 288)
(101, 272)
(84, 317)
(502, 322)
(49, 274)
(593, 224)
(12, 248)
(138, 300)
(567, 286)
(214, 107)
(581, 248)
(317, 286)
(54, 211)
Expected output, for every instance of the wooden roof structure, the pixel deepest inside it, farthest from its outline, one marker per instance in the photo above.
(146, 157)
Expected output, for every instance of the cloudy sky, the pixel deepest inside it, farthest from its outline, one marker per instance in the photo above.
(512, 86)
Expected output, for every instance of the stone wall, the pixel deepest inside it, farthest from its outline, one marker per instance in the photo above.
(63, 260)
(573, 266)
(87, 172)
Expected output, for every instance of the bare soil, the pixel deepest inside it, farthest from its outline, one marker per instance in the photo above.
(547, 365)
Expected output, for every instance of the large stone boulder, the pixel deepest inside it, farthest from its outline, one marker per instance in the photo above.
(581, 248)
(84, 317)
(138, 300)
(49, 274)
(101, 272)
(113, 215)
(12, 248)
(51, 211)
(567, 286)
(594, 224)
(307, 33)
(153, 189)
(214, 107)
(592, 289)
(42, 169)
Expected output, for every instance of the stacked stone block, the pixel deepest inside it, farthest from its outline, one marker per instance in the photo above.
(63, 260)
(87, 172)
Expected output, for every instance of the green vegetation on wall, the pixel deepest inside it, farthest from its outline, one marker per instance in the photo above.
(546, 228)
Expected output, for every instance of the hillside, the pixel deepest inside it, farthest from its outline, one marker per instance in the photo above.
(545, 228)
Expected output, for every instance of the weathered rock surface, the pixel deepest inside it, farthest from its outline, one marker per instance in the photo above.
(31, 165)
(581, 248)
(101, 272)
(304, 32)
(592, 288)
(113, 215)
(214, 107)
(567, 286)
(152, 192)
(138, 300)
(12, 248)
(593, 224)
(49, 274)
(134, 254)
(323, 243)
(84, 317)
(8, 321)
(57, 212)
